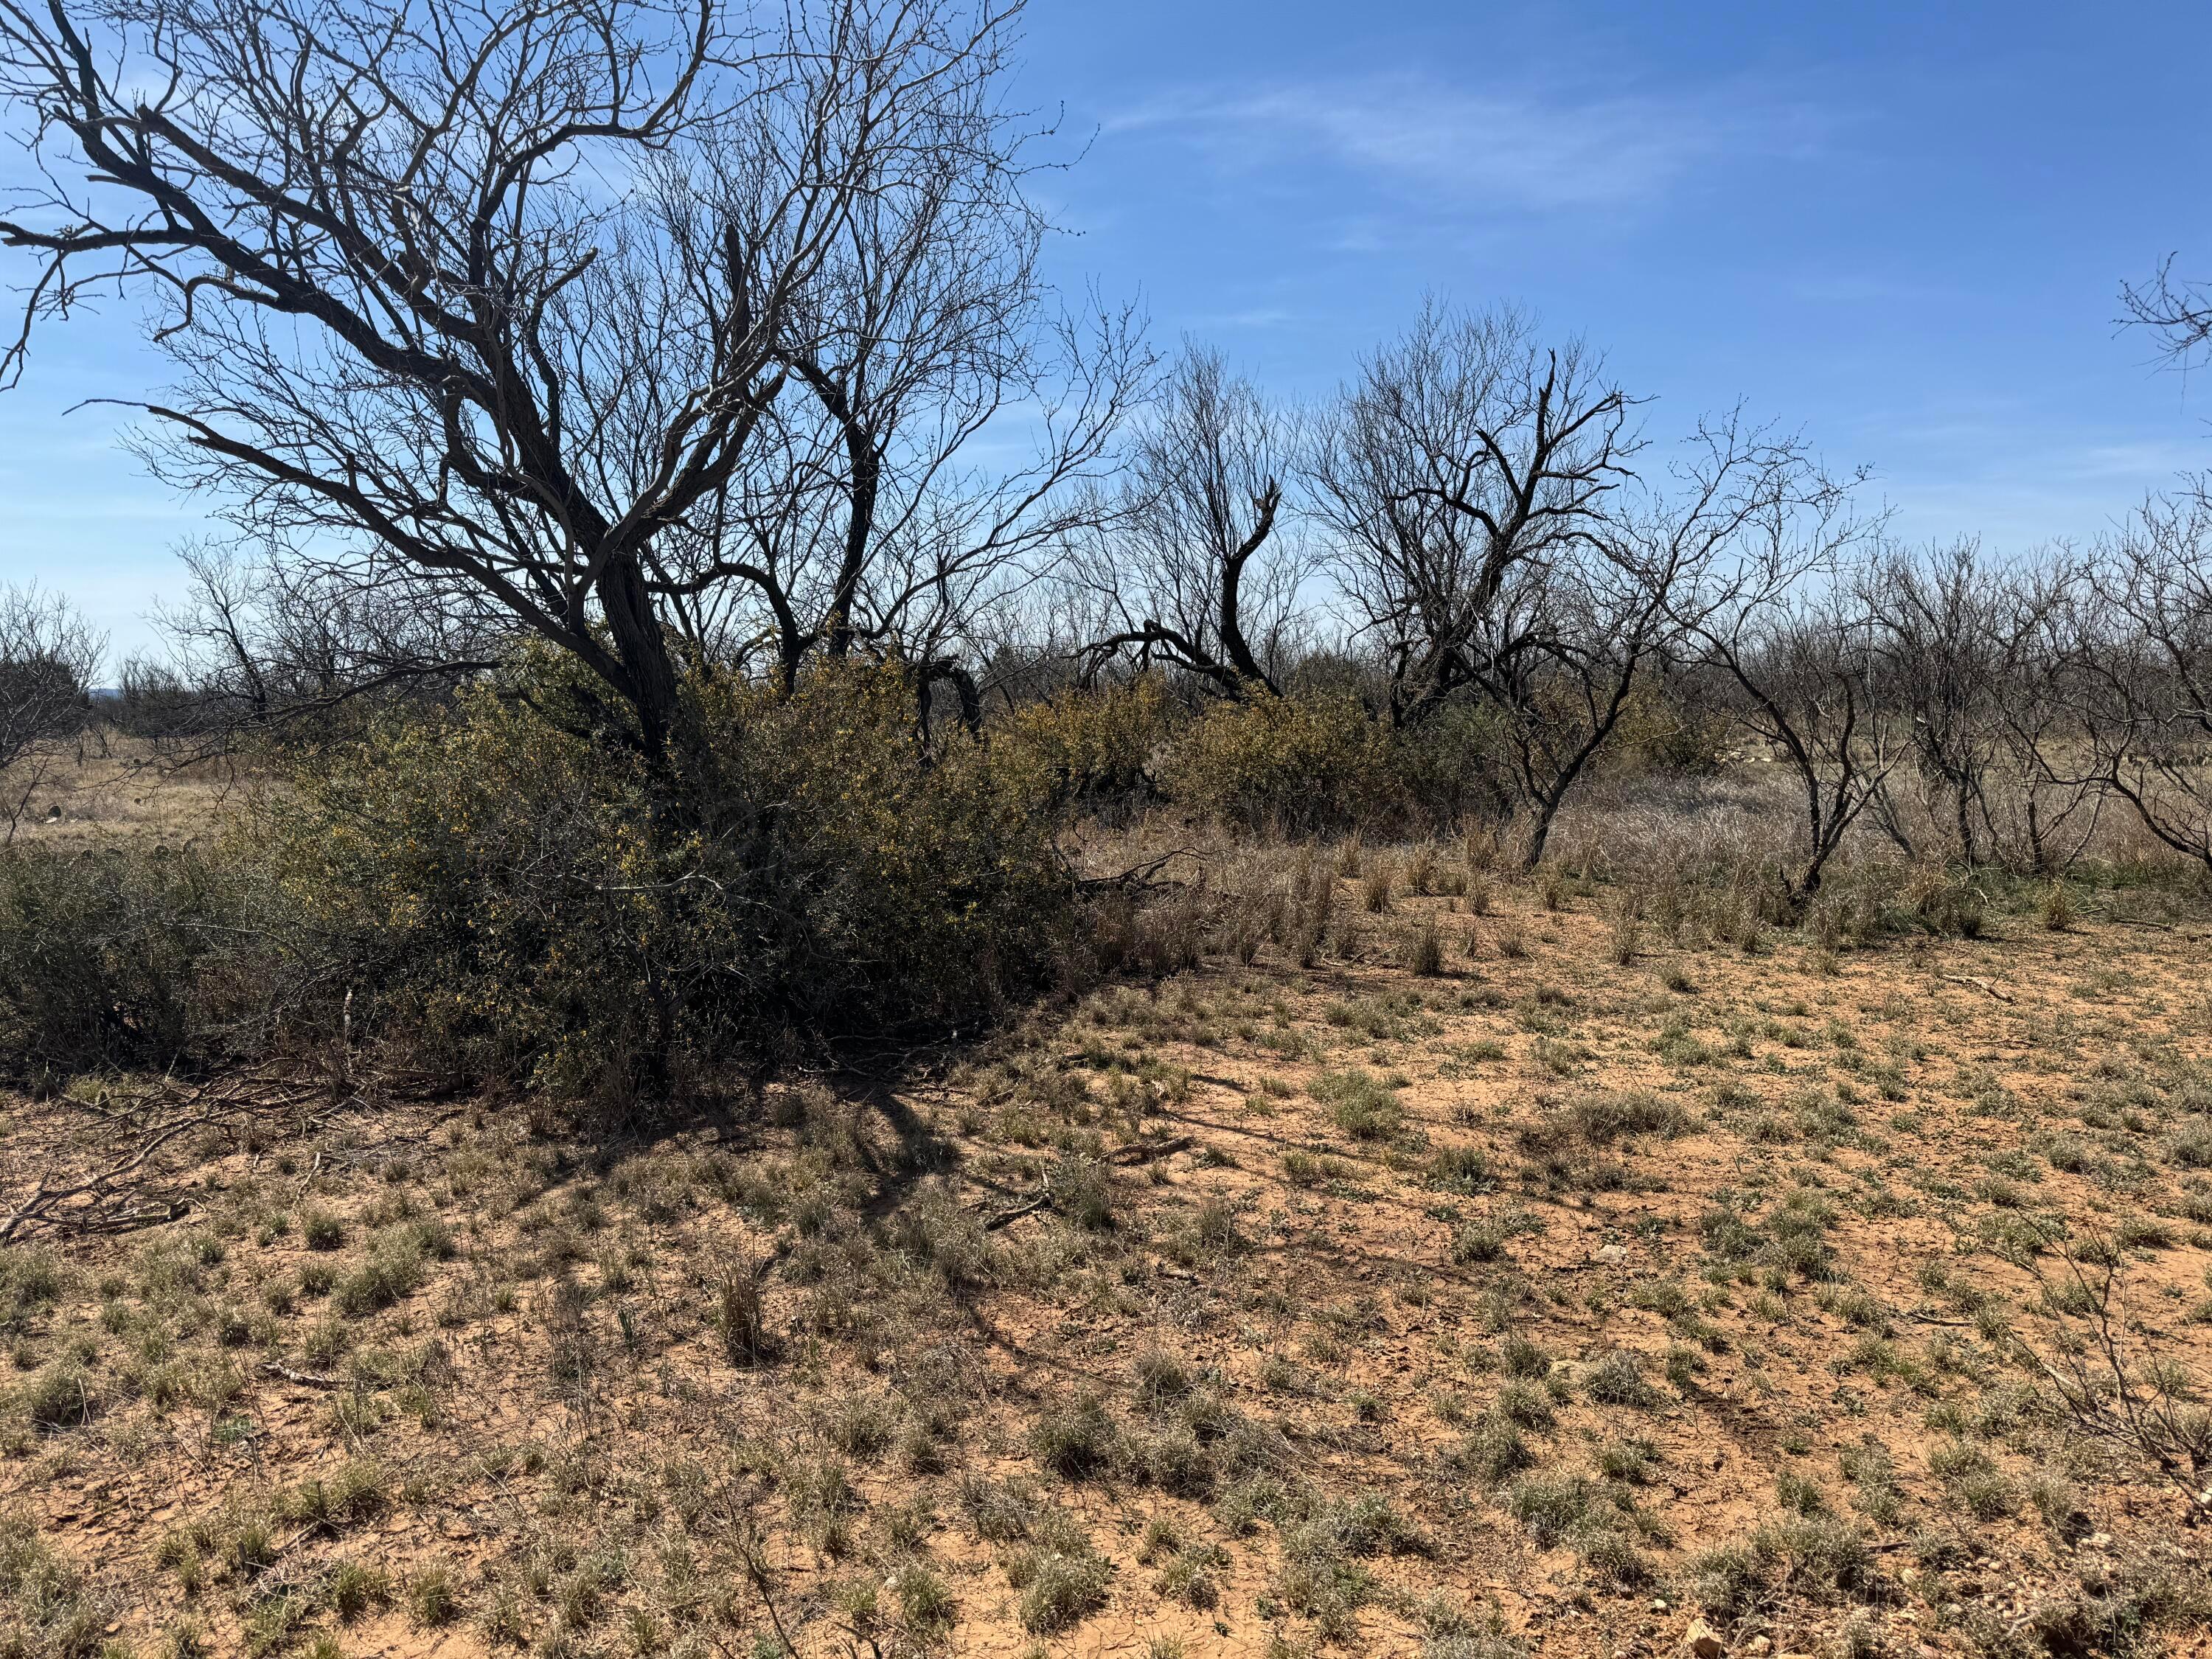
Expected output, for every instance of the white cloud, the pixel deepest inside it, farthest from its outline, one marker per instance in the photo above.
(1526, 151)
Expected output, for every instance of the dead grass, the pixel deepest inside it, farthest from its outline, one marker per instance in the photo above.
(114, 789)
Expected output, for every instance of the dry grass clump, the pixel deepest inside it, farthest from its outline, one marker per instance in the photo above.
(1363, 1105)
(47, 1604)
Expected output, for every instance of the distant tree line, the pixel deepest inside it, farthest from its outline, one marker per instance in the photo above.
(798, 392)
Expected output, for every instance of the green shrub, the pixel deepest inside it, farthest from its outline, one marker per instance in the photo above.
(1619, 1380)
(1492, 1451)
(60, 1396)
(391, 1271)
(925, 1600)
(128, 957)
(30, 1280)
(528, 902)
(1097, 747)
(1063, 1591)
(1549, 1507)
(1286, 763)
(1661, 732)
(1603, 1118)
(1363, 1105)
(1077, 1439)
(1453, 765)
(433, 1597)
(1061, 1578)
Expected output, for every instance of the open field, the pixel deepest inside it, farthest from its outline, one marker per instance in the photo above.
(111, 789)
(1604, 1278)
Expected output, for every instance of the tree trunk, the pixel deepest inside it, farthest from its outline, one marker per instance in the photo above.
(651, 685)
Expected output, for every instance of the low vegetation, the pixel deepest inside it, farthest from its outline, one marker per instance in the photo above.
(1849, 1294)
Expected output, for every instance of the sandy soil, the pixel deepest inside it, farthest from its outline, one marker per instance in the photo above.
(1548, 1303)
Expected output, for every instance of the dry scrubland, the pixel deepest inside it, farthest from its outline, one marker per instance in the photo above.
(1421, 1261)
(724, 1099)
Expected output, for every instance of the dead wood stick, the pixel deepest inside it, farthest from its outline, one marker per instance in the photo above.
(1979, 984)
(1145, 1151)
(46, 1196)
(1006, 1217)
(305, 1379)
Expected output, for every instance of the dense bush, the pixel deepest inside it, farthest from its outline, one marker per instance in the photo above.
(1097, 748)
(1286, 764)
(1452, 766)
(1661, 730)
(134, 958)
(503, 888)
(1320, 761)
(525, 900)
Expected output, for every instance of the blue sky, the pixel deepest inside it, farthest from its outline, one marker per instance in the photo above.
(1901, 226)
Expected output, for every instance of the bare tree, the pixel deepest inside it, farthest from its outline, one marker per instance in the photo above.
(1603, 611)
(1464, 461)
(1589, 633)
(859, 523)
(274, 641)
(48, 655)
(1777, 625)
(1938, 619)
(2046, 803)
(1500, 546)
(1194, 568)
(2141, 666)
(2177, 310)
(509, 294)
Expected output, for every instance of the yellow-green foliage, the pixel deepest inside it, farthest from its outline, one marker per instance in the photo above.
(530, 901)
(1094, 745)
(1453, 764)
(1658, 732)
(1284, 763)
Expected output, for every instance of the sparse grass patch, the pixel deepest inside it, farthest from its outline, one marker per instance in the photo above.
(1518, 1248)
(1363, 1105)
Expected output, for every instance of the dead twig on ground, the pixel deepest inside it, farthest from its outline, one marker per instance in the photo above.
(305, 1379)
(1979, 984)
(1138, 875)
(38, 1208)
(1007, 1217)
(1143, 1151)
(251, 1094)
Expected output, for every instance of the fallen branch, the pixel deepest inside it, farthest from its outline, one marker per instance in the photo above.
(1143, 1151)
(46, 1195)
(222, 1099)
(305, 1379)
(1006, 1217)
(1979, 984)
(160, 1215)
(1136, 875)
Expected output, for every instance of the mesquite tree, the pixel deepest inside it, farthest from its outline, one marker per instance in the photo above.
(48, 654)
(2140, 667)
(1464, 461)
(1193, 567)
(271, 643)
(1938, 619)
(543, 298)
(1777, 623)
